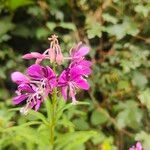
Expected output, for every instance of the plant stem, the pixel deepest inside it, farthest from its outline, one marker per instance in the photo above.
(53, 114)
(53, 120)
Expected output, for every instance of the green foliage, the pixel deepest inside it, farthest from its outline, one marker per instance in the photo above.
(98, 118)
(14, 4)
(115, 111)
(144, 97)
(5, 26)
(129, 109)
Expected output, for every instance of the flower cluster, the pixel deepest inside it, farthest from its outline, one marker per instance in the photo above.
(137, 147)
(39, 81)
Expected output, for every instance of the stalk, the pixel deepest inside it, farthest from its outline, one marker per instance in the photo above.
(53, 120)
(53, 114)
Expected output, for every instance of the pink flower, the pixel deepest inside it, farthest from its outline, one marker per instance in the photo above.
(84, 65)
(40, 81)
(32, 55)
(31, 94)
(44, 75)
(77, 58)
(137, 147)
(70, 80)
(35, 55)
(79, 51)
(34, 87)
(55, 55)
(54, 51)
(19, 78)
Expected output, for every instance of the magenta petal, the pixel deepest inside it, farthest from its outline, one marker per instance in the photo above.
(85, 63)
(33, 55)
(86, 71)
(19, 99)
(53, 83)
(62, 78)
(35, 71)
(131, 148)
(75, 72)
(25, 88)
(52, 54)
(38, 104)
(64, 91)
(83, 51)
(74, 50)
(79, 51)
(72, 93)
(59, 59)
(49, 73)
(31, 105)
(27, 56)
(138, 146)
(82, 83)
(19, 78)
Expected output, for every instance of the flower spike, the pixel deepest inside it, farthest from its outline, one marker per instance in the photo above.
(40, 81)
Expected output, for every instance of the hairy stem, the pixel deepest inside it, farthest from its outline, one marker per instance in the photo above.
(53, 120)
(53, 114)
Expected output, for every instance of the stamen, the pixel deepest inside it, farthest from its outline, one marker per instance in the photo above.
(24, 110)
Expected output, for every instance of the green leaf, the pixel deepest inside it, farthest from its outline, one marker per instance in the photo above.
(14, 128)
(116, 30)
(67, 123)
(5, 26)
(22, 31)
(42, 33)
(109, 18)
(38, 115)
(144, 97)
(121, 30)
(123, 85)
(81, 124)
(67, 25)
(139, 80)
(143, 9)
(93, 28)
(14, 4)
(98, 118)
(51, 25)
(71, 141)
(129, 108)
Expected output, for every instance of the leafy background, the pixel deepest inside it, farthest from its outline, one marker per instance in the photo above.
(118, 112)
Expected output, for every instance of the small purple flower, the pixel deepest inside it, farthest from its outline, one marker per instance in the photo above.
(70, 80)
(34, 87)
(19, 78)
(84, 65)
(40, 81)
(54, 51)
(44, 75)
(31, 94)
(137, 147)
(78, 52)
(35, 55)
(77, 55)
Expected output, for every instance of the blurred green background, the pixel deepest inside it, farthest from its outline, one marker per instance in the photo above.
(117, 32)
